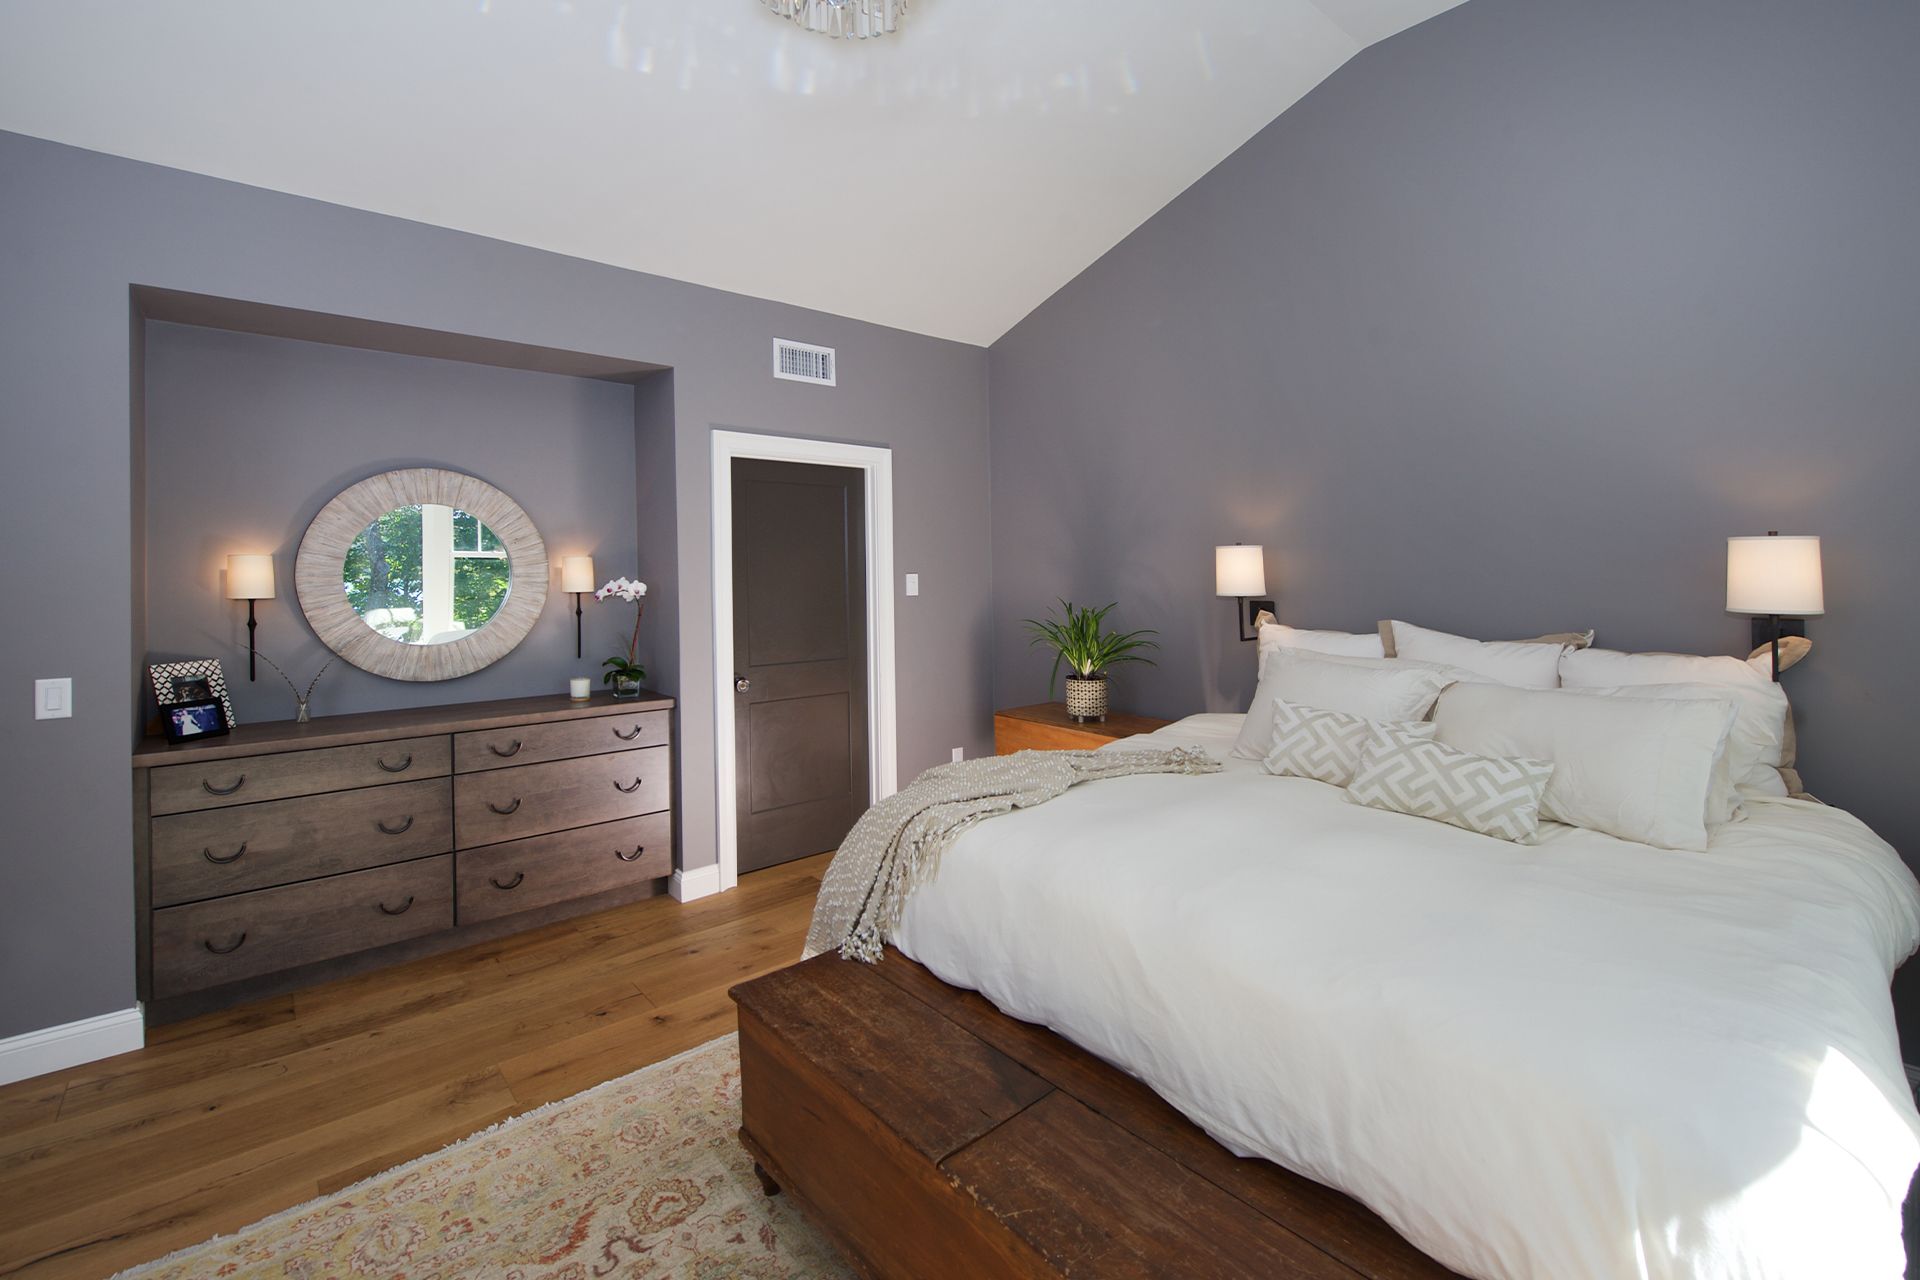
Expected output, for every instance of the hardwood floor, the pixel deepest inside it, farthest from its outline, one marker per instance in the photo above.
(226, 1118)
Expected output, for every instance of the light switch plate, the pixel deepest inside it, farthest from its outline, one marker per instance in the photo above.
(913, 584)
(959, 754)
(53, 699)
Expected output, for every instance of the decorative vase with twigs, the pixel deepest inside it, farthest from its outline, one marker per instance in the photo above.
(300, 700)
(1080, 640)
(624, 671)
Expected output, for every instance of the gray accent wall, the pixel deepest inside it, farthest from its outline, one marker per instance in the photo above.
(249, 436)
(1503, 329)
(78, 230)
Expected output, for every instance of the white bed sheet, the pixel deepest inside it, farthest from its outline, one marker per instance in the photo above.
(1582, 1058)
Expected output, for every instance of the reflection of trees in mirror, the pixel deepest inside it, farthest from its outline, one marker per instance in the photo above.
(394, 579)
(478, 588)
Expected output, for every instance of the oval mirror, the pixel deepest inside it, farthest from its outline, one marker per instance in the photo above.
(422, 574)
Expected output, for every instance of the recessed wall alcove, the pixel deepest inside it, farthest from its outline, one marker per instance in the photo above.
(247, 418)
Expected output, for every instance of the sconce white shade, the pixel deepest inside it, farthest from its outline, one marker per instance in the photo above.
(576, 574)
(250, 577)
(1239, 571)
(1775, 575)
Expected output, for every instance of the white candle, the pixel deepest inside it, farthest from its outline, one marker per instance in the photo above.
(580, 688)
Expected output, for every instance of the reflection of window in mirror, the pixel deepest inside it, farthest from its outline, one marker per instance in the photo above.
(427, 574)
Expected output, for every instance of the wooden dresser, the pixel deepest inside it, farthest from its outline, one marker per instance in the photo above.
(1046, 726)
(286, 853)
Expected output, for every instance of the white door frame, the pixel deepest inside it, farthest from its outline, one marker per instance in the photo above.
(882, 736)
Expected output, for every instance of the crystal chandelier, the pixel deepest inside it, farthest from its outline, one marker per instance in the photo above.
(843, 18)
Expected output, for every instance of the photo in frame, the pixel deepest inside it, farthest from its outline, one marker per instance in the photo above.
(191, 680)
(191, 721)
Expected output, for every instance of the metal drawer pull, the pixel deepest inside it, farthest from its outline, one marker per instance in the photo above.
(223, 791)
(402, 767)
(631, 857)
(224, 951)
(221, 862)
(394, 831)
(629, 790)
(399, 910)
(513, 750)
(514, 883)
(504, 812)
(628, 737)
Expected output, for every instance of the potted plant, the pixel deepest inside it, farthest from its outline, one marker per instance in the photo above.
(1080, 640)
(624, 671)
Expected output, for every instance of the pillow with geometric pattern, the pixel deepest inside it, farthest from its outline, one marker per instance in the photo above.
(1309, 742)
(1405, 773)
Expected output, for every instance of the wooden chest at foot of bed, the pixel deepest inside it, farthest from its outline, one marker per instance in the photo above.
(931, 1136)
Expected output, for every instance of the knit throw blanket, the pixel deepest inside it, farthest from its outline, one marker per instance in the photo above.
(897, 843)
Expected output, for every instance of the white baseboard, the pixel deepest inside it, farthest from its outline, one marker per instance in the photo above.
(701, 882)
(55, 1048)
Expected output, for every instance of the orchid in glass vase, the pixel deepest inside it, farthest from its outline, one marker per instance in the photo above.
(624, 671)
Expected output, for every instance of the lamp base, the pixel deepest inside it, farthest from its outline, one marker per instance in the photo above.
(1248, 610)
(1763, 629)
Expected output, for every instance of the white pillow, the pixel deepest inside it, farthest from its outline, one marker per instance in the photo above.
(1756, 751)
(1639, 769)
(1277, 635)
(1524, 664)
(1371, 688)
(1324, 745)
(1724, 804)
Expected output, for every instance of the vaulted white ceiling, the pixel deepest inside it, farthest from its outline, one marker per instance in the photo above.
(945, 179)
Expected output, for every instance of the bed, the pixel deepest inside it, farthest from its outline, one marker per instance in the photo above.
(1579, 1058)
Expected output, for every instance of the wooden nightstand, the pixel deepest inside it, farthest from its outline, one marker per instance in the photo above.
(1047, 727)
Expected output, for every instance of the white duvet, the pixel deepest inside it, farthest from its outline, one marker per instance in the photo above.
(1578, 1058)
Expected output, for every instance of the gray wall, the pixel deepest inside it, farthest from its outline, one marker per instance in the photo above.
(77, 229)
(248, 437)
(1503, 329)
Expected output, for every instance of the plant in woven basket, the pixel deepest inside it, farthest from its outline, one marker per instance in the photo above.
(1079, 639)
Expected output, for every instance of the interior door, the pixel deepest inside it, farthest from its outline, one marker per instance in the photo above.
(800, 655)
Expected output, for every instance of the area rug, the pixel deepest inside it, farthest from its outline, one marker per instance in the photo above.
(641, 1176)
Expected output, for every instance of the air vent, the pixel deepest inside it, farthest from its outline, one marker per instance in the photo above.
(798, 362)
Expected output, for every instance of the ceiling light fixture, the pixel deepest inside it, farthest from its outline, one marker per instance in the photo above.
(855, 19)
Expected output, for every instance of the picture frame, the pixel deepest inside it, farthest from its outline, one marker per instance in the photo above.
(192, 721)
(191, 680)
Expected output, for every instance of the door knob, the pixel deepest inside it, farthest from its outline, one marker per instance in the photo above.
(741, 684)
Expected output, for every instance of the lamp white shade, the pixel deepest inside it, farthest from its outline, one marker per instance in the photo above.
(250, 577)
(1239, 571)
(576, 574)
(1773, 574)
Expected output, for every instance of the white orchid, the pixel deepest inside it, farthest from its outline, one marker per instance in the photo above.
(625, 671)
(624, 589)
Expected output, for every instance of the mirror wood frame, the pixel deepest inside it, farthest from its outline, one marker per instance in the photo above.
(319, 568)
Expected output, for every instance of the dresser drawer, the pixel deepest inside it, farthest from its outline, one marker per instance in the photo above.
(506, 804)
(204, 944)
(178, 788)
(252, 846)
(558, 740)
(538, 872)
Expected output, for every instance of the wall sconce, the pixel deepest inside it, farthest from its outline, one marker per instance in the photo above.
(1240, 571)
(576, 576)
(1777, 578)
(250, 578)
